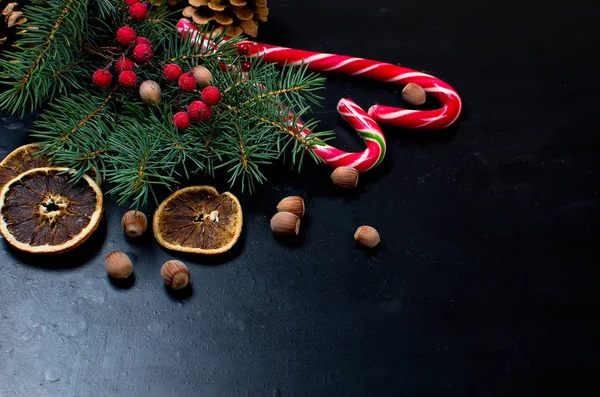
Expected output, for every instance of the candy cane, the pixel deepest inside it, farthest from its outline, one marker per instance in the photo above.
(368, 130)
(362, 123)
(380, 71)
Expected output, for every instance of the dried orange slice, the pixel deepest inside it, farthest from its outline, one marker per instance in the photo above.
(44, 211)
(25, 158)
(20, 160)
(198, 220)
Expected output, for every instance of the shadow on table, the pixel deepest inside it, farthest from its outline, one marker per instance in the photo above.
(68, 260)
(122, 283)
(182, 294)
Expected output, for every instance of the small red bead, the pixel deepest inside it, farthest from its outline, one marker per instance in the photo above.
(187, 82)
(181, 120)
(131, 2)
(102, 78)
(199, 110)
(246, 66)
(142, 53)
(124, 64)
(126, 35)
(243, 49)
(128, 79)
(142, 40)
(211, 95)
(138, 11)
(172, 71)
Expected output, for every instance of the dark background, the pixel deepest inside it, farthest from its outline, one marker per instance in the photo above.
(485, 283)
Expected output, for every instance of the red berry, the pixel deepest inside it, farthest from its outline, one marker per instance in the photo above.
(187, 81)
(131, 2)
(243, 49)
(124, 64)
(226, 68)
(125, 35)
(142, 53)
(181, 120)
(138, 11)
(128, 78)
(172, 71)
(211, 95)
(102, 78)
(246, 66)
(199, 110)
(143, 40)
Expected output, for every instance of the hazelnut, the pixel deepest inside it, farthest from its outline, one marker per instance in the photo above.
(175, 274)
(293, 204)
(202, 75)
(283, 223)
(367, 236)
(150, 92)
(134, 223)
(414, 94)
(118, 265)
(345, 177)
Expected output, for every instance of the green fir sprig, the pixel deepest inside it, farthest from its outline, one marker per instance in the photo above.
(133, 146)
(48, 45)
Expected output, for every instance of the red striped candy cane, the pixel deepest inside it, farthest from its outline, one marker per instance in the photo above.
(365, 123)
(362, 123)
(379, 71)
(368, 130)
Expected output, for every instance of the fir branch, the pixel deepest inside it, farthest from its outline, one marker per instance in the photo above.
(139, 164)
(106, 8)
(159, 26)
(67, 68)
(294, 84)
(84, 121)
(73, 131)
(198, 47)
(43, 49)
(134, 146)
(53, 45)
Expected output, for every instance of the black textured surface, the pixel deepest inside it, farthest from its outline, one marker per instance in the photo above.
(486, 280)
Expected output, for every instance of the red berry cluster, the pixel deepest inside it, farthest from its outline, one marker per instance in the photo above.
(137, 10)
(140, 49)
(200, 110)
(243, 50)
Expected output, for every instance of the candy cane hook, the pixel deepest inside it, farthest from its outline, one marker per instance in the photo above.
(368, 130)
(379, 71)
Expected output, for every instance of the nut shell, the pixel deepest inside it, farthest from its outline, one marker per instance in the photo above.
(414, 94)
(285, 223)
(150, 92)
(367, 236)
(293, 204)
(134, 223)
(118, 265)
(175, 274)
(345, 177)
(202, 75)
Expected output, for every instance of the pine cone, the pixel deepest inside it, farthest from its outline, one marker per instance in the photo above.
(235, 16)
(9, 18)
